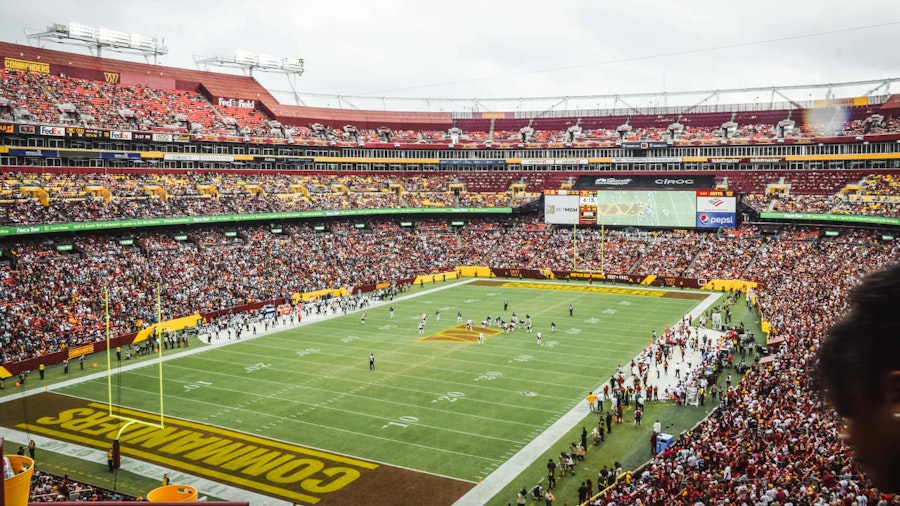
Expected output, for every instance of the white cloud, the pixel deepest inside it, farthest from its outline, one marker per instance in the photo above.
(480, 48)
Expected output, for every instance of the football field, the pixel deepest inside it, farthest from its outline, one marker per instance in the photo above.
(437, 402)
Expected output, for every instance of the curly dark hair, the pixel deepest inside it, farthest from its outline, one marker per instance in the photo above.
(864, 346)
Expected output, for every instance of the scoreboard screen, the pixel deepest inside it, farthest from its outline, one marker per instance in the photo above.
(641, 208)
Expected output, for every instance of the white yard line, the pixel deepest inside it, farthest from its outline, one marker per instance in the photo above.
(479, 495)
(529, 455)
(205, 346)
(148, 470)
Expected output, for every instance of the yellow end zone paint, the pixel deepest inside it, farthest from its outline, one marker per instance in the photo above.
(271, 467)
(614, 290)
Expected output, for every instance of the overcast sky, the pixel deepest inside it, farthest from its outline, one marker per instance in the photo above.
(466, 49)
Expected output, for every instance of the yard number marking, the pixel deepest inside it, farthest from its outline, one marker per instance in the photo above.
(450, 397)
(257, 366)
(195, 385)
(405, 421)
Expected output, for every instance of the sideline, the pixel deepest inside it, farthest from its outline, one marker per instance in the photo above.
(153, 471)
(495, 482)
(217, 342)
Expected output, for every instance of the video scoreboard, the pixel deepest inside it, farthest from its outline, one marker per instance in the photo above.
(642, 208)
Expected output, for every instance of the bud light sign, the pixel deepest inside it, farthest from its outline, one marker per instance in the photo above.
(716, 220)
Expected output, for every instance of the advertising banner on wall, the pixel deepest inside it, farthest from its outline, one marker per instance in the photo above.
(716, 204)
(716, 209)
(716, 220)
(657, 182)
(561, 209)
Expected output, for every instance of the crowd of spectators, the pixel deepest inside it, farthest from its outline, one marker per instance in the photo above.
(665, 253)
(876, 195)
(772, 441)
(54, 299)
(64, 100)
(25, 99)
(691, 133)
(65, 198)
(770, 436)
(43, 198)
(46, 487)
(879, 196)
(744, 132)
(138, 106)
(728, 262)
(68, 101)
(862, 127)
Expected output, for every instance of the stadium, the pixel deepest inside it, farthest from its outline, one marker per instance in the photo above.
(285, 304)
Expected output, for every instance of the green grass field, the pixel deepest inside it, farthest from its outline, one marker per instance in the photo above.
(446, 407)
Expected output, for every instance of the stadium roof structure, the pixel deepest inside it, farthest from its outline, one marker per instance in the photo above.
(775, 97)
(250, 62)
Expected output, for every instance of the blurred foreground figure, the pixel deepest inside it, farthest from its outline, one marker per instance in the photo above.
(858, 371)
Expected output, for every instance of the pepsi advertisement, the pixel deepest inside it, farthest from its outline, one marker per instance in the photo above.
(716, 220)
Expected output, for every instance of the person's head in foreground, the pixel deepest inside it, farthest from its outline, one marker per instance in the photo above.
(858, 371)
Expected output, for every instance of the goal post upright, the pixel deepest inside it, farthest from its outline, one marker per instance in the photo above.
(575, 245)
(602, 240)
(130, 420)
(159, 350)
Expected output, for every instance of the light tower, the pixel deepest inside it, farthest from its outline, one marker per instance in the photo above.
(292, 68)
(98, 39)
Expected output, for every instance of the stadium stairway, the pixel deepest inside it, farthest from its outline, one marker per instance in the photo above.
(760, 253)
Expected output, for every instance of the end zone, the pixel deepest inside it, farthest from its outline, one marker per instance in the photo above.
(603, 289)
(277, 469)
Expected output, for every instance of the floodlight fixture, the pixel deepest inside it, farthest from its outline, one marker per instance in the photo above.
(247, 61)
(252, 61)
(246, 58)
(113, 37)
(77, 31)
(265, 60)
(98, 39)
(294, 65)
